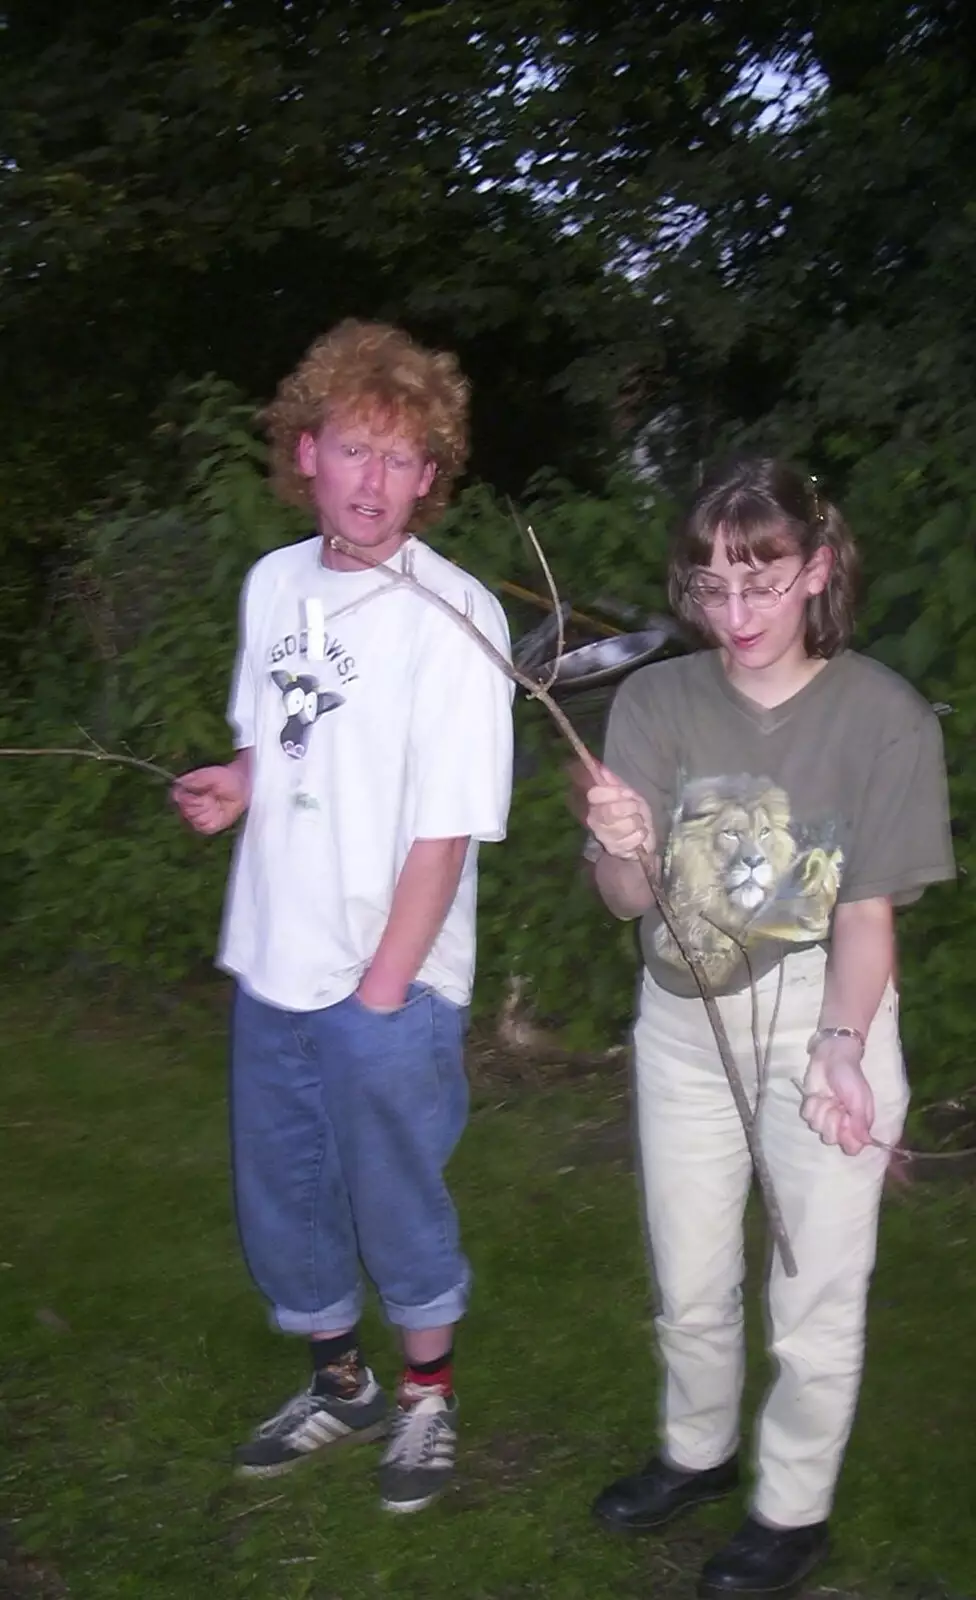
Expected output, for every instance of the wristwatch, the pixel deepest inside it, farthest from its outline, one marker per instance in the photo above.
(835, 1033)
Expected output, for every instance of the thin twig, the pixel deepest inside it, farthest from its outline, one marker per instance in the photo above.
(899, 1149)
(557, 608)
(95, 755)
(352, 605)
(761, 1054)
(395, 578)
(925, 1155)
(259, 1505)
(553, 594)
(86, 734)
(531, 685)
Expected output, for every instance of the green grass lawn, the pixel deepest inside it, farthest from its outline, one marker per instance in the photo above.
(135, 1353)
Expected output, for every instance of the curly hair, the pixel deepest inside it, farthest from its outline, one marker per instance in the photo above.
(369, 370)
(763, 509)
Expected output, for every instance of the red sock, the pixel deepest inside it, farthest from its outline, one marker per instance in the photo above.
(436, 1376)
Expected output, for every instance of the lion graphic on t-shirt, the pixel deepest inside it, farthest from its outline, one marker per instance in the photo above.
(736, 871)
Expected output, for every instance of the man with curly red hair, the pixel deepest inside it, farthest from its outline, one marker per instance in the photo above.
(374, 753)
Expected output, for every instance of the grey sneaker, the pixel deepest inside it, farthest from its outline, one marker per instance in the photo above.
(418, 1462)
(309, 1422)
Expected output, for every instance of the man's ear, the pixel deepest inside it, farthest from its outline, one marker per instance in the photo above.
(427, 479)
(305, 454)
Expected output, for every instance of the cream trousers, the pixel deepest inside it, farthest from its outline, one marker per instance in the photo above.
(697, 1174)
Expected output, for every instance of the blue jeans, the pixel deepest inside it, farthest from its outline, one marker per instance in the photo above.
(342, 1122)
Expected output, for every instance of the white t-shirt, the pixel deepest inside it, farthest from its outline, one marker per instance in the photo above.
(374, 721)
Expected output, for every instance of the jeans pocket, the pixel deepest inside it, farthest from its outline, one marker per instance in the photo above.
(415, 993)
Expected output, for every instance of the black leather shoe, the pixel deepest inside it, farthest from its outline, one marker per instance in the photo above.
(761, 1561)
(650, 1498)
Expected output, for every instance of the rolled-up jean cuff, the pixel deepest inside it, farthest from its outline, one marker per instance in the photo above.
(337, 1318)
(440, 1313)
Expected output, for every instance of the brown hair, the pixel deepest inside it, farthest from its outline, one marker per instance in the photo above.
(371, 370)
(763, 509)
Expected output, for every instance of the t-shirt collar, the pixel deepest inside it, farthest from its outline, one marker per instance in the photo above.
(769, 718)
(395, 560)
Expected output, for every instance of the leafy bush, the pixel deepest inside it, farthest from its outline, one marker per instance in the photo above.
(916, 515)
(94, 868)
(96, 873)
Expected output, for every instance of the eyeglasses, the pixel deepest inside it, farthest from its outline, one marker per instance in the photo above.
(713, 596)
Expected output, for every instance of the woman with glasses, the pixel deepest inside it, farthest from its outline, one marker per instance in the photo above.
(791, 794)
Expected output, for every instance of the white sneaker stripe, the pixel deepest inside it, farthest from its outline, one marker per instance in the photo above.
(318, 1430)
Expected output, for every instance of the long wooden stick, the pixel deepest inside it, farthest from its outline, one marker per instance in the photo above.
(406, 579)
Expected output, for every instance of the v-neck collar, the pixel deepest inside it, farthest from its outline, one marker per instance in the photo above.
(767, 719)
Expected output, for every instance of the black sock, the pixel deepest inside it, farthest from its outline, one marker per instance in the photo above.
(337, 1364)
(430, 1369)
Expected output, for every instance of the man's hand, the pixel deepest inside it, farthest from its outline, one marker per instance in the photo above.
(618, 818)
(837, 1099)
(212, 798)
(424, 893)
(377, 996)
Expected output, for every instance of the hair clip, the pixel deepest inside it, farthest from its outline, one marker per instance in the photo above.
(818, 510)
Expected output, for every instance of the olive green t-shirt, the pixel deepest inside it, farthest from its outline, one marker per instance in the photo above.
(768, 818)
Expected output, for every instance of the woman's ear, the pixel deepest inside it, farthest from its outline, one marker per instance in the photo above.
(819, 568)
